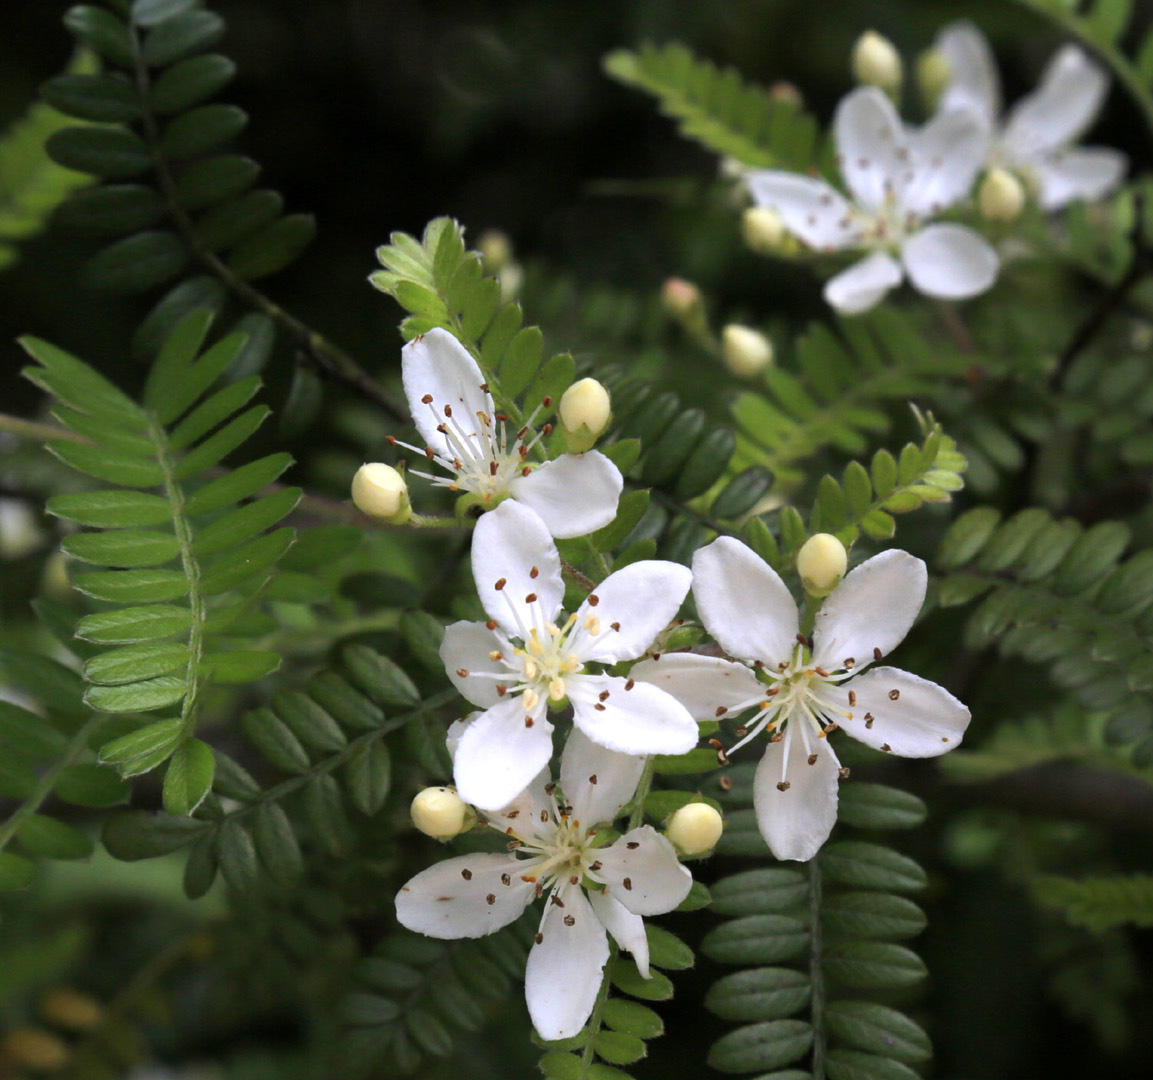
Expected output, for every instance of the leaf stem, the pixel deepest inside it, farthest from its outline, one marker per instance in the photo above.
(36, 432)
(816, 976)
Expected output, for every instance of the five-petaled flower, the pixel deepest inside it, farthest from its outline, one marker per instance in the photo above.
(898, 179)
(526, 657)
(1036, 137)
(802, 689)
(464, 434)
(591, 889)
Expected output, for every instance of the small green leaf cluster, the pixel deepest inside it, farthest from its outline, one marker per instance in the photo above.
(814, 944)
(718, 109)
(181, 560)
(1098, 902)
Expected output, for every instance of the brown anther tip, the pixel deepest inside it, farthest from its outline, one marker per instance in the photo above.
(529, 721)
(547, 401)
(783, 785)
(550, 787)
(852, 698)
(570, 920)
(628, 884)
(877, 654)
(726, 783)
(493, 468)
(594, 867)
(539, 938)
(617, 626)
(429, 454)
(534, 573)
(593, 599)
(721, 710)
(530, 598)
(490, 899)
(466, 874)
(526, 471)
(801, 639)
(632, 845)
(630, 684)
(506, 879)
(812, 759)
(427, 399)
(741, 731)
(447, 409)
(843, 773)
(894, 694)
(603, 695)
(500, 583)
(716, 744)
(593, 778)
(599, 707)
(886, 747)
(822, 672)
(462, 672)
(390, 439)
(491, 624)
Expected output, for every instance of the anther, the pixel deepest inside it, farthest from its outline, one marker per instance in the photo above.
(570, 920)
(390, 439)
(594, 867)
(843, 773)
(491, 624)
(852, 698)
(603, 695)
(462, 672)
(512, 815)
(812, 759)
(741, 731)
(783, 785)
(599, 707)
(499, 584)
(506, 879)
(630, 684)
(526, 471)
(491, 898)
(868, 719)
(496, 654)
(801, 638)
(574, 880)
(539, 938)
(721, 710)
(492, 468)
(534, 573)
(822, 672)
(544, 817)
(594, 599)
(848, 662)
(427, 399)
(886, 747)
(894, 694)
(617, 626)
(501, 690)
(726, 783)
(530, 598)
(632, 845)
(466, 874)
(593, 778)
(877, 654)
(557, 900)
(550, 787)
(447, 409)
(628, 884)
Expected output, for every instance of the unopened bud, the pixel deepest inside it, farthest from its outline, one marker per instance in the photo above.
(585, 411)
(495, 250)
(380, 491)
(511, 278)
(747, 352)
(822, 562)
(681, 299)
(441, 813)
(876, 62)
(695, 829)
(787, 93)
(1001, 196)
(71, 1010)
(33, 1049)
(764, 232)
(933, 75)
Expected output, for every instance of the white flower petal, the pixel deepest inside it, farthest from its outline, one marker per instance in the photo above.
(455, 730)
(949, 261)
(872, 146)
(466, 646)
(498, 756)
(810, 208)
(509, 544)
(436, 363)
(451, 899)
(630, 608)
(597, 782)
(743, 603)
(921, 720)
(563, 976)
(1087, 174)
(797, 821)
(1065, 103)
(641, 871)
(702, 684)
(872, 609)
(627, 929)
(864, 284)
(973, 80)
(640, 720)
(531, 814)
(948, 152)
(573, 494)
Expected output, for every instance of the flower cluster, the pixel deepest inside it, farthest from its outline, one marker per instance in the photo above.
(900, 179)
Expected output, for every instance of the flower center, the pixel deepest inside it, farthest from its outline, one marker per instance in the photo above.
(547, 659)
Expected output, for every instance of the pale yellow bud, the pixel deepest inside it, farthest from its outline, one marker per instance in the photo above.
(441, 813)
(511, 278)
(380, 491)
(786, 92)
(933, 74)
(495, 250)
(747, 352)
(34, 1049)
(681, 299)
(876, 62)
(584, 412)
(822, 562)
(695, 829)
(70, 1009)
(1001, 196)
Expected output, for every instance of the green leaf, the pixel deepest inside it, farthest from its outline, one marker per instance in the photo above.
(112, 465)
(666, 950)
(875, 806)
(128, 625)
(854, 1065)
(199, 131)
(423, 634)
(111, 209)
(181, 35)
(144, 742)
(189, 777)
(706, 463)
(28, 736)
(133, 586)
(618, 1047)
(272, 248)
(630, 510)
(380, 677)
(244, 523)
(240, 564)
(368, 777)
(111, 152)
(80, 386)
(876, 1028)
(765, 993)
(101, 98)
(325, 810)
(111, 509)
(869, 965)
(238, 858)
(764, 1046)
(740, 495)
(42, 835)
(550, 382)
(627, 978)
(136, 263)
(222, 443)
(322, 546)
(633, 1018)
(232, 780)
(239, 484)
(165, 394)
(521, 360)
(126, 548)
(665, 456)
(276, 845)
(227, 224)
(190, 81)
(760, 892)
(213, 180)
(694, 761)
(1092, 556)
(309, 722)
(140, 696)
(102, 30)
(151, 12)
(872, 915)
(756, 939)
(271, 737)
(368, 1010)
(139, 834)
(200, 867)
(15, 872)
(870, 866)
(238, 666)
(91, 785)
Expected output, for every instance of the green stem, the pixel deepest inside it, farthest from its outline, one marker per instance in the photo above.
(36, 432)
(816, 976)
(323, 353)
(422, 521)
(76, 747)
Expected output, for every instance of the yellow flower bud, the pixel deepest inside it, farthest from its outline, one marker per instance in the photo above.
(380, 491)
(764, 232)
(441, 813)
(876, 62)
(933, 75)
(822, 562)
(681, 299)
(70, 1009)
(746, 352)
(695, 829)
(584, 411)
(34, 1049)
(1001, 196)
(495, 250)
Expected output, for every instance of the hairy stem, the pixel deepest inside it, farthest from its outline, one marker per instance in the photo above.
(36, 432)
(816, 977)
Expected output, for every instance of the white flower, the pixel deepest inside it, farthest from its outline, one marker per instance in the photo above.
(802, 691)
(898, 179)
(553, 850)
(525, 657)
(1036, 136)
(454, 414)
